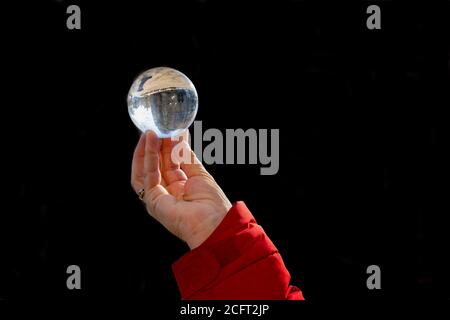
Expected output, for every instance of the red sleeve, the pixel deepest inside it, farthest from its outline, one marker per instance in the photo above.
(237, 262)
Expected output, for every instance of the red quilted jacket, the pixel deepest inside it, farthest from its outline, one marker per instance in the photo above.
(237, 262)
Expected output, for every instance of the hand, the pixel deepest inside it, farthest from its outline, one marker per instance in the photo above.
(183, 197)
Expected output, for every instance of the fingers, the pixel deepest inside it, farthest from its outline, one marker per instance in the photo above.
(179, 161)
(166, 151)
(152, 175)
(163, 181)
(146, 174)
(156, 196)
(137, 166)
(171, 171)
(193, 167)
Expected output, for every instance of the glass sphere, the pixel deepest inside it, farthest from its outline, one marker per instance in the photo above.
(163, 100)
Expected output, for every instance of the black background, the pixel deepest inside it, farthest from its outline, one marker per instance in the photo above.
(363, 173)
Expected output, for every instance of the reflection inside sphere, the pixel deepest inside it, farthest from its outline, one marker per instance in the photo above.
(163, 100)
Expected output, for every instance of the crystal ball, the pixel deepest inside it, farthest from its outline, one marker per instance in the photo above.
(163, 100)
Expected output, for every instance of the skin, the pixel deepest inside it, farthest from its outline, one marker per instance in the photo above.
(183, 197)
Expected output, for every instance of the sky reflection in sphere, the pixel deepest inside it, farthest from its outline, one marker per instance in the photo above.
(163, 100)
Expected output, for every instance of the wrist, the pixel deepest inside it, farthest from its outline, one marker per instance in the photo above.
(206, 228)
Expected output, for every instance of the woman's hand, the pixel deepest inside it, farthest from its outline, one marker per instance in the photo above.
(182, 196)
